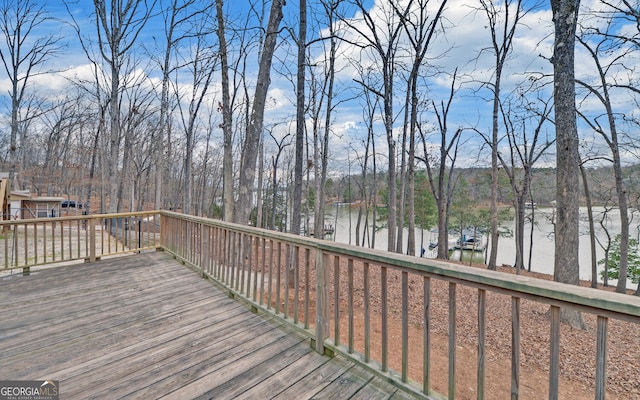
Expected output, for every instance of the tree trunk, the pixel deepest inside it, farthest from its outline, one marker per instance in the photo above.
(592, 231)
(612, 141)
(227, 163)
(566, 268)
(391, 173)
(274, 199)
(403, 169)
(300, 122)
(114, 138)
(519, 228)
(363, 192)
(255, 125)
(259, 201)
(92, 167)
(493, 252)
(318, 224)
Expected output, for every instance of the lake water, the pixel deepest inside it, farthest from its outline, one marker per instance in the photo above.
(543, 238)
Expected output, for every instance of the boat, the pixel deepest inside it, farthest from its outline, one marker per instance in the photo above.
(433, 239)
(471, 240)
(327, 231)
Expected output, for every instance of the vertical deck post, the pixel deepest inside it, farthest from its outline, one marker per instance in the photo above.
(426, 337)
(405, 326)
(515, 348)
(452, 341)
(336, 300)
(307, 279)
(322, 299)
(601, 358)
(163, 234)
(482, 319)
(554, 352)
(204, 250)
(296, 284)
(350, 303)
(256, 244)
(367, 313)
(92, 239)
(385, 329)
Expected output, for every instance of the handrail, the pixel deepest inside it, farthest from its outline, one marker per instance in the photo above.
(26, 243)
(255, 264)
(324, 288)
(77, 217)
(553, 293)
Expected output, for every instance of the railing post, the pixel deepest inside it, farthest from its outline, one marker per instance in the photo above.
(162, 240)
(515, 348)
(601, 358)
(452, 341)
(92, 239)
(322, 299)
(482, 335)
(554, 352)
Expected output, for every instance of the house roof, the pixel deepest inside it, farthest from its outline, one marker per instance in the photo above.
(20, 194)
(47, 199)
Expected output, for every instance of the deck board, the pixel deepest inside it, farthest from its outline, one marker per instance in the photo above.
(281, 380)
(311, 384)
(144, 326)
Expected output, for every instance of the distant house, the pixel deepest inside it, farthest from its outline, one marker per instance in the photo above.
(16, 198)
(21, 204)
(41, 207)
(24, 206)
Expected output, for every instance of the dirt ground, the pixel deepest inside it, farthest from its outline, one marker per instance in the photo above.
(577, 347)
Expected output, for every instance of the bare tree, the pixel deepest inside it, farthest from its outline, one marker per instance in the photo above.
(369, 111)
(420, 28)
(525, 150)
(383, 44)
(96, 91)
(301, 42)
(201, 63)
(592, 235)
(316, 98)
(566, 268)
(175, 15)
(118, 25)
(227, 117)
(440, 168)
(235, 47)
(59, 127)
(281, 145)
(255, 123)
(325, 90)
(600, 89)
(136, 106)
(502, 29)
(609, 52)
(207, 162)
(24, 56)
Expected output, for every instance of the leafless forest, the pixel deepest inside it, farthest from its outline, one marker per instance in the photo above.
(264, 112)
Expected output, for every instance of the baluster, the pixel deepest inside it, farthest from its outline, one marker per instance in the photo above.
(452, 341)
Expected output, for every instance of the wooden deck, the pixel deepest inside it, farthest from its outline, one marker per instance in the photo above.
(146, 327)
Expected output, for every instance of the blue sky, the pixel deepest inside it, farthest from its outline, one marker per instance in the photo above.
(461, 47)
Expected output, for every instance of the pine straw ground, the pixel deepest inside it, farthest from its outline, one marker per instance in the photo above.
(577, 347)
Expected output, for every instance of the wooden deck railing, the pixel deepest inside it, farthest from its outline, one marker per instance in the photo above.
(388, 312)
(372, 305)
(31, 242)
